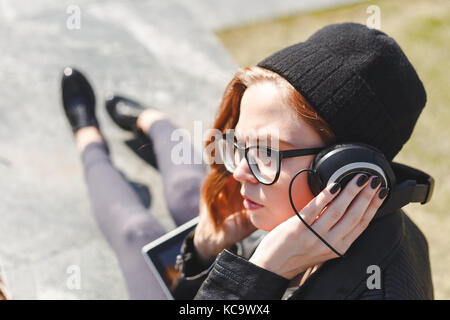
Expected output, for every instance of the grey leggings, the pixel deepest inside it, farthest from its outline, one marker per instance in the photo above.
(122, 217)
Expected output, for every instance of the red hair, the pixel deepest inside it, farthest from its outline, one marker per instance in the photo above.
(220, 191)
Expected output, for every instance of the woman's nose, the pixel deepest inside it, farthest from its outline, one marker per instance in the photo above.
(243, 173)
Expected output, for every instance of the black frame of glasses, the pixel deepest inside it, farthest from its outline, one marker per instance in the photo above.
(283, 154)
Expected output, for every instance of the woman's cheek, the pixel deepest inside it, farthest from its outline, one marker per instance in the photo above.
(278, 208)
(301, 195)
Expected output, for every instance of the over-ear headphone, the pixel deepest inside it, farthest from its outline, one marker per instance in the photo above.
(341, 162)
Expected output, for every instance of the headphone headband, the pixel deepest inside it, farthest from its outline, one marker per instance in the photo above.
(413, 185)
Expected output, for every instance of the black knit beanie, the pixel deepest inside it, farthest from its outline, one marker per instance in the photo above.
(358, 80)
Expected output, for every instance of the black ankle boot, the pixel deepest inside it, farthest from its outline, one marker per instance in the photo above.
(78, 99)
(124, 112)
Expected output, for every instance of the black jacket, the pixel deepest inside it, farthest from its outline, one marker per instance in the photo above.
(393, 243)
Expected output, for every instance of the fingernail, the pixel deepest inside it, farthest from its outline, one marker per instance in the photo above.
(375, 182)
(383, 193)
(335, 188)
(361, 180)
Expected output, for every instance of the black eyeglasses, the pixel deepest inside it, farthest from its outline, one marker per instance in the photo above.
(264, 162)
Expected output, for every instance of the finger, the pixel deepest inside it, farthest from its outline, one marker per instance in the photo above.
(202, 208)
(337, 208)
(313, 209)
(356, 211)
(375, 204)
(239, 219)
(238, 227)
(246, 223)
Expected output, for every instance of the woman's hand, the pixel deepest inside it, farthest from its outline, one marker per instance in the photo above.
(237, 226)
(291, 248)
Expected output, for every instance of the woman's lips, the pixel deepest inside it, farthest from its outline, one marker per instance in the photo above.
(251, 205)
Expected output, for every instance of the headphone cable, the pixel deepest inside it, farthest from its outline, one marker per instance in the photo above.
(304, 222)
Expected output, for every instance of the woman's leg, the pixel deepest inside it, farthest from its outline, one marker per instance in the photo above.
(123, 219)
(182, 182)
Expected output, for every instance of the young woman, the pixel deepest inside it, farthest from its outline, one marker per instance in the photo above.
(345, 83)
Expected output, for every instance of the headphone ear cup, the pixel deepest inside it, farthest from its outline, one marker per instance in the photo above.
(341, 162)
(316, 183)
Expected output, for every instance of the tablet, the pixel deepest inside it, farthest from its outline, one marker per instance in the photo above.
(161, 255)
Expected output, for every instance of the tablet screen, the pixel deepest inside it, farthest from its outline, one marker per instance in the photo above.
(162, 254)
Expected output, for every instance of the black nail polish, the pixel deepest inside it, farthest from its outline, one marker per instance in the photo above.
(375, 182)
(335, 188)
(383, 193)
(361, 180)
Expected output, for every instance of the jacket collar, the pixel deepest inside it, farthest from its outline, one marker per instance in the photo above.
(342, 277)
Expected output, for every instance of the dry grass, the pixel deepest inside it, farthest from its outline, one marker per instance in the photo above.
(422, 28)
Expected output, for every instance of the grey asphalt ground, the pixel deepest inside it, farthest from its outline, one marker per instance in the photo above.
(162, 53)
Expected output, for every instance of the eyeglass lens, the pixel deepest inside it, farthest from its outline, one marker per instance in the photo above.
(263, 161)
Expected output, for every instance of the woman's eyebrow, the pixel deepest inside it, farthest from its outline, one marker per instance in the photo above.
(268, 140)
